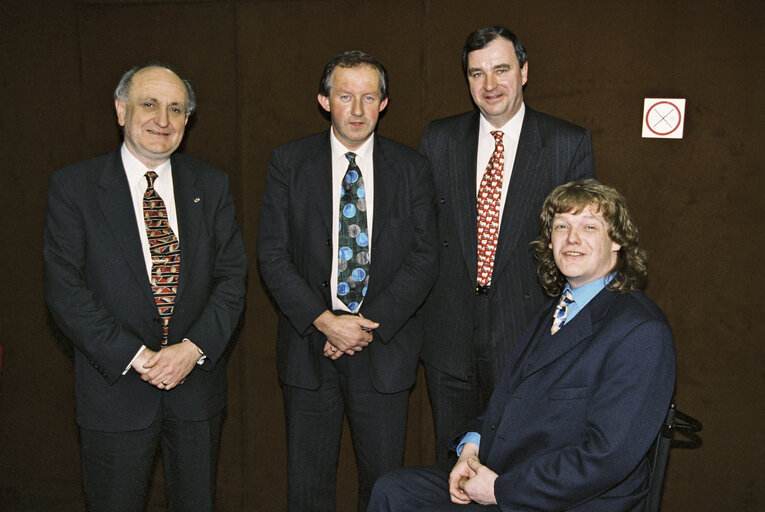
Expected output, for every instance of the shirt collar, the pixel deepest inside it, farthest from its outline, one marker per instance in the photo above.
(136, 170)
(585, 293)
(364, 152)
(511, 128)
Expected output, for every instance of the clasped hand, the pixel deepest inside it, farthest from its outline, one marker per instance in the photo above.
(346, 334)
(168, 367)
(470, 480)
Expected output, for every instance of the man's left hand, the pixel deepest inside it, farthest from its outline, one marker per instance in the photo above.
(169, 367)
(480, 486)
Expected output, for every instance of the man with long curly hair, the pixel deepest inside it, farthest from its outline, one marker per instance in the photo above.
(570, 424)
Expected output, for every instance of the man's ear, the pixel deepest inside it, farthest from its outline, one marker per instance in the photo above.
(324, 102)
(120, 107)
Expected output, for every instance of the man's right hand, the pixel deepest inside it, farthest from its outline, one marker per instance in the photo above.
(461, 472)
(347, 333)
(142, 358)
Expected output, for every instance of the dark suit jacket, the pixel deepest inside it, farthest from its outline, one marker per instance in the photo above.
(99, 293)
(550, 152)
(295, 255)
(569, 425)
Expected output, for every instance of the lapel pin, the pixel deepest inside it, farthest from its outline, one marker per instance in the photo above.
(196, 199)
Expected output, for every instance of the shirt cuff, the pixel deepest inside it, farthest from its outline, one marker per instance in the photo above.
(134, 358)
(202, 355)
(470, 437)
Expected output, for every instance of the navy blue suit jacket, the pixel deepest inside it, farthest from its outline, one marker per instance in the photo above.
(569, 425)
(99, 293)
(295, 256)
(550, 152)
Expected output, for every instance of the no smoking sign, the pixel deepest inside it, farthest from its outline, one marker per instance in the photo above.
(663, 118)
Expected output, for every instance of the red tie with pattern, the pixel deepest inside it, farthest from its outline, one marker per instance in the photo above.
(489, 195)
(165, 253)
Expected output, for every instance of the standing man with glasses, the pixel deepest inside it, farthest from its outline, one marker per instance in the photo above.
(493, 168)
(145, 272)
(347, 248)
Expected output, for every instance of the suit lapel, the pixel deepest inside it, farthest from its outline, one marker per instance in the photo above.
(189, 208)
(116, 203)
(464, 150)
(386, 180)
(319, 177)
(525, 177)
(551, 348)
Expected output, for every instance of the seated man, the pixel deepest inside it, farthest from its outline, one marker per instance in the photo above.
(570, 423)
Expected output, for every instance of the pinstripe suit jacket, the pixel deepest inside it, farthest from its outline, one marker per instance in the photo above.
(550, 152)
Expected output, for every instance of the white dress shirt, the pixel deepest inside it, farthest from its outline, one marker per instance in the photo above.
(365, 163)
(136, 171)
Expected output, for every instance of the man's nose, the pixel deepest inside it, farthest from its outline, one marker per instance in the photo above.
(162, 119)
(356, 108)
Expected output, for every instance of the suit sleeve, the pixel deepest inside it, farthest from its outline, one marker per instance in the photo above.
(424, 148)
(296, 299)
(107, 344)
(582, 161)
(215, 324)
(407, 290)
(623, 417)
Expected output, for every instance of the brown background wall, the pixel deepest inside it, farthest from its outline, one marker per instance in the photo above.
(255, 66)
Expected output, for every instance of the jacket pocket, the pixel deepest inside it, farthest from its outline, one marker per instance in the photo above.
(568, 393)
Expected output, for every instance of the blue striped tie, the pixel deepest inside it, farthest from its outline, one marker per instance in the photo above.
(561, 311)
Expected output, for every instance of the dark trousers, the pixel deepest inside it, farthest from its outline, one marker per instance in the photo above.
(314, 426)
(117, 466)
(418, 489)
(455, 402)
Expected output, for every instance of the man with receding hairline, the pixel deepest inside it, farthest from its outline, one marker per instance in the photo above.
(145, 273)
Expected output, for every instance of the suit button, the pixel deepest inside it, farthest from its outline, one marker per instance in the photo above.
(446, 243)
(329, 242)
(526, 296)
(493, 428)
(442, 200)
(325, 284)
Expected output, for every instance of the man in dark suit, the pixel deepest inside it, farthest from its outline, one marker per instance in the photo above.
(145, 272)
(569, 425)
(348, 338)
(493, 167)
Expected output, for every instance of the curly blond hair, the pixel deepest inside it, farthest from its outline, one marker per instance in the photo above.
(630, 269)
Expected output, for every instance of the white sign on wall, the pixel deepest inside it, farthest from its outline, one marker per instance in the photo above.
(663, 118)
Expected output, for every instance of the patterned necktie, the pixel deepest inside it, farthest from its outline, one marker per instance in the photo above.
(561, 310)
(489, 196)
(353, 238)
(165, 253)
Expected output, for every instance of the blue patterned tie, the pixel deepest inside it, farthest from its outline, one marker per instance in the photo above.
(561, 311)
(353, 238)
